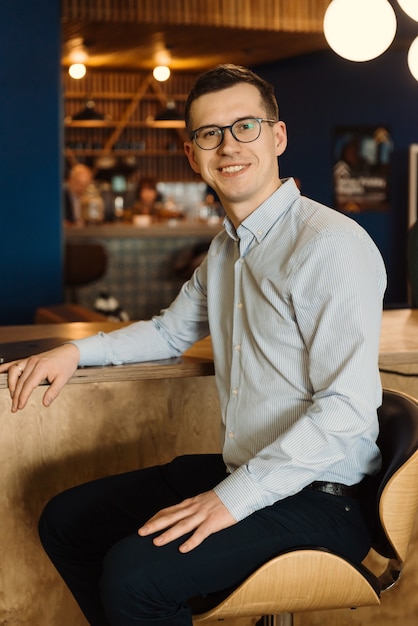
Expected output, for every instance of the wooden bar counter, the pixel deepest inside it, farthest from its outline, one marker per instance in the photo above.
(114, 419)
(107, 420)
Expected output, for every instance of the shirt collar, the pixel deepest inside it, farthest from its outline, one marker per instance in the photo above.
(260, 221)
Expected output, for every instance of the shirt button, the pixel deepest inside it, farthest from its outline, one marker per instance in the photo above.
(239, 305)
(235, 391)
(238, 347)
(259, 232)
(230, 435)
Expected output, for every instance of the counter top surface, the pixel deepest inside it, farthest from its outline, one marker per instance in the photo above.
(170, 228)
(399, 337)
(197, 361)
(398, 345)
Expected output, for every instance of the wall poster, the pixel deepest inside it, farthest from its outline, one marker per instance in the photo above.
(361, 164)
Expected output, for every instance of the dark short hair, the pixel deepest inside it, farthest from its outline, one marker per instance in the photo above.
(225, 76)
(148, 182)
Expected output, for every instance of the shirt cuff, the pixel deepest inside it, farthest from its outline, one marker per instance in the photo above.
(92, 350)
(241, 495)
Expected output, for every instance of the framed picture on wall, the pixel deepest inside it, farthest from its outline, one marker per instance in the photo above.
(413, 184)
(361, 167)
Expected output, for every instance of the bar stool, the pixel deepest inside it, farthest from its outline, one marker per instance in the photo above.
(84, 263)
(314, 579)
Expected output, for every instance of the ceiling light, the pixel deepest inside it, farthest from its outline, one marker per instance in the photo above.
(78, 57)
(410, 7)
(89, 113)
(413, 58)
(161, 73)
(359, 30)
(167, 118)
(77, 70)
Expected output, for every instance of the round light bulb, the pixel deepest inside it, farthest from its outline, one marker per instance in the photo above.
(161, 72)
(359, 30)
(413, 58)
(410, 7)
(77, 70)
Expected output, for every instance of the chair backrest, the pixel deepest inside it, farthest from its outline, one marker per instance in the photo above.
(412, 261)
(395, 487)
(84, 263)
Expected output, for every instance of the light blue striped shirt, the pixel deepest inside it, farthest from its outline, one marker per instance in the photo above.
(292, 300)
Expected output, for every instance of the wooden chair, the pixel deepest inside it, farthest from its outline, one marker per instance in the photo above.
(314, 579)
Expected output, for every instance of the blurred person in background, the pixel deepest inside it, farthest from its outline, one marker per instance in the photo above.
(79, 178)
(148, 197)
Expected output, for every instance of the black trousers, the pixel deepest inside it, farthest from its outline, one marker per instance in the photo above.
(121, 579)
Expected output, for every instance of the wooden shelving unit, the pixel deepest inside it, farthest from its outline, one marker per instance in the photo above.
(128, 100)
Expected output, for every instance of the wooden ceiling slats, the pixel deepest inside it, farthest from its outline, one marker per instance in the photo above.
(279, 15)
(193, 34)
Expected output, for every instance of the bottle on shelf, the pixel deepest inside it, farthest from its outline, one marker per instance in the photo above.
(92, 206)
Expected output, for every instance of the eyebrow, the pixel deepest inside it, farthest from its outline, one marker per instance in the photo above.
(242, 117)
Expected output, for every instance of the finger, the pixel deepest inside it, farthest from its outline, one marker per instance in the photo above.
(176, 531)
(17, 373)
(204, 530)
(53, 391)
(14, 372)
(24, 386)
(166, 518)
(201, 533)
(156, 525)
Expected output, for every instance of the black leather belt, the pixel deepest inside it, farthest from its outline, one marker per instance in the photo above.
(335, 489)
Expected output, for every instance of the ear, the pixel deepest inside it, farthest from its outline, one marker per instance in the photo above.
(191, 155)
(280, 134)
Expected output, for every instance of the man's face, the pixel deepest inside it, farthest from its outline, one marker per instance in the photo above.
(79, 181)
(148, 195)
(243, 174)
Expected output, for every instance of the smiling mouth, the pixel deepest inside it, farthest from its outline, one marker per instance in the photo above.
(232, 169)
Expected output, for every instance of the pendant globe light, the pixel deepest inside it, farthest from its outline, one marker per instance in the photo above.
(359, 30)
(161, 73)
(413, 58)
(77, 70)
(410, 7)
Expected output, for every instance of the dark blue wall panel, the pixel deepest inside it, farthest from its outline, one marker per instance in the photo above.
(30, 159)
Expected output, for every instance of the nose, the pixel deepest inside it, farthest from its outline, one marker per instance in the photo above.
(228, 141)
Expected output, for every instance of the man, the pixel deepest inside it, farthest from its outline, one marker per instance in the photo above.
(291, 293)
(79, 178)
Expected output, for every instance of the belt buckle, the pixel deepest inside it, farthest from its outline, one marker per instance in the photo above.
(334, 489)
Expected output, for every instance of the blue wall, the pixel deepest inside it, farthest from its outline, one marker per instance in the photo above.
(30, 159)
(321, 91)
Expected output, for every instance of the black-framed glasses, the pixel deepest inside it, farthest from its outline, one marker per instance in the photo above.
(245, 130)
